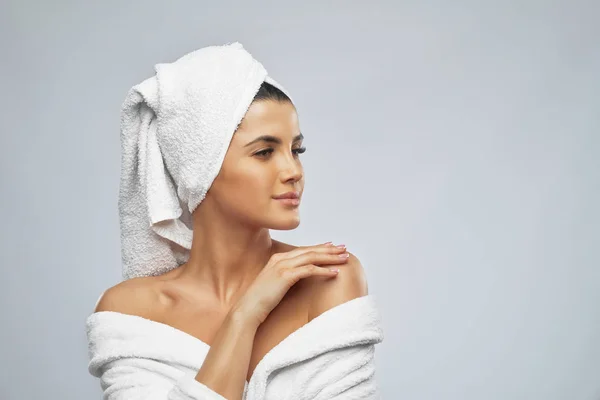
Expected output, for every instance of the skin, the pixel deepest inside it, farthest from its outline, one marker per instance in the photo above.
(231, 242)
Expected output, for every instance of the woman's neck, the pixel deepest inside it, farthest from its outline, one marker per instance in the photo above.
(227, 262)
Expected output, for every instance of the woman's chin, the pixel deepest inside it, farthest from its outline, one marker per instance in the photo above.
(285, 224)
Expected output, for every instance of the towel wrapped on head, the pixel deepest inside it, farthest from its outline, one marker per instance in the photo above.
(176, 128)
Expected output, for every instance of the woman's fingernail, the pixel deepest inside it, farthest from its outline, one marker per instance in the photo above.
(344, 255)
(341, 246)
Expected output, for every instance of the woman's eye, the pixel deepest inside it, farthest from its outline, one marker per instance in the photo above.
(263, 153)
(299, 150)
(266, 152)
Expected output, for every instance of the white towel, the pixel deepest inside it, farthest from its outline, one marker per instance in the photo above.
(175, 130)
(331, 357)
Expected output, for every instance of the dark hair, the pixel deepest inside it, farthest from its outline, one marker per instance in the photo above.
(270, 92)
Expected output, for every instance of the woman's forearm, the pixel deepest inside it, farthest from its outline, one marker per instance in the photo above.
(226, 365)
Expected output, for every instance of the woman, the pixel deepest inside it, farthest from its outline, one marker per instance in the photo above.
(241, 295)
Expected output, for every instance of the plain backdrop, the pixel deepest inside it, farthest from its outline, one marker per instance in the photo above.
(453, 146)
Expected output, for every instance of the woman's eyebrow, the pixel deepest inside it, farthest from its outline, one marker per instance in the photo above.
(273, 139)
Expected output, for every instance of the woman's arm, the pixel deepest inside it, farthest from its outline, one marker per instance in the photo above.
(225, 367)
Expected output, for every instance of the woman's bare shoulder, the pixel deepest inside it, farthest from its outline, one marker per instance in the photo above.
(135, 296)
(324, 293)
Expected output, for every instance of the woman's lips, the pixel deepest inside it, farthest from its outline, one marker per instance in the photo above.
(289, 202)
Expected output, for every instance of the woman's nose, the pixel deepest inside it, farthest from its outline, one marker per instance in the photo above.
(292, 171)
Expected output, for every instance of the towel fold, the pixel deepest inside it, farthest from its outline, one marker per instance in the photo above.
(175, 130)
(331, 357)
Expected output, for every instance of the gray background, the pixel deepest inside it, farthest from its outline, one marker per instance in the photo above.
(453, 146)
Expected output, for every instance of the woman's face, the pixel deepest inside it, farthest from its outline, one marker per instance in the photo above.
(262, 161)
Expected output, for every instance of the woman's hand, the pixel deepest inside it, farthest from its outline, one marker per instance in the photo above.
(281, 273)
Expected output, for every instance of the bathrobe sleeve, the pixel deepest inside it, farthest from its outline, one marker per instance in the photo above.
(146, 379)
(342, 374)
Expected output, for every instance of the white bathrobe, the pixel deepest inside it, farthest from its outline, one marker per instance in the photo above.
(331, 357)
